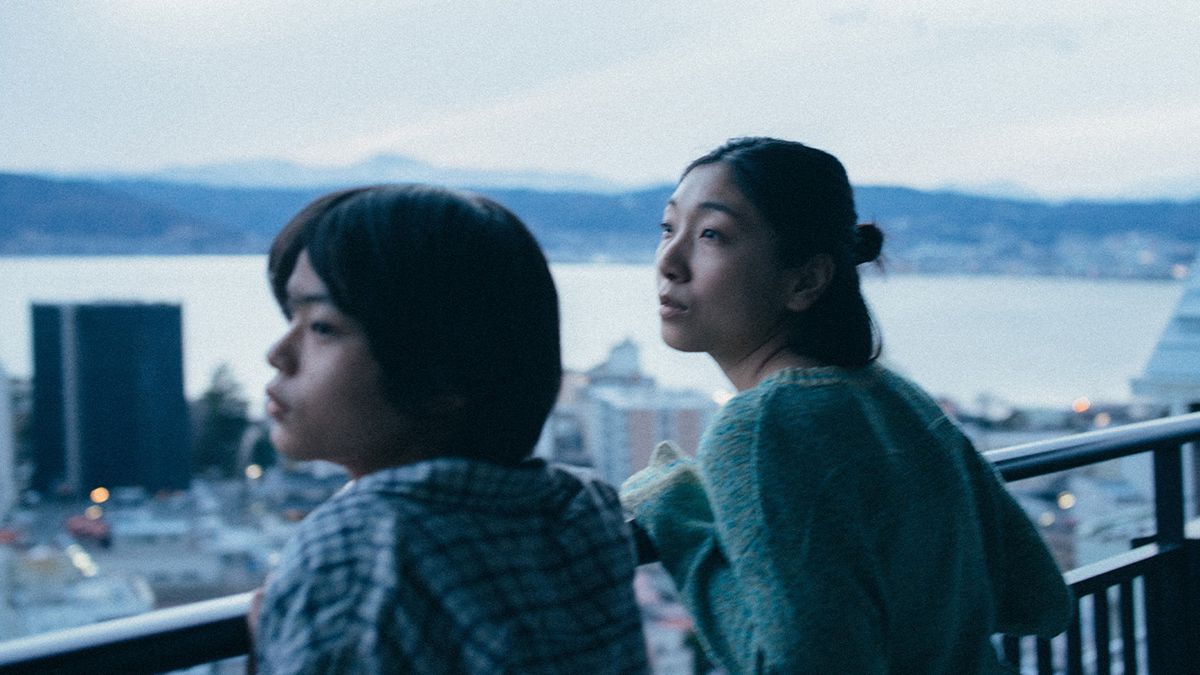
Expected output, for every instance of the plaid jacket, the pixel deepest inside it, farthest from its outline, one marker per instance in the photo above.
(457, 566)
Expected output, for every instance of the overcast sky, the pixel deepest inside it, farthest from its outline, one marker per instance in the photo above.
(1076, 98)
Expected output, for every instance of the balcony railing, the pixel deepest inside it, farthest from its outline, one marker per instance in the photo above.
(1136, 612)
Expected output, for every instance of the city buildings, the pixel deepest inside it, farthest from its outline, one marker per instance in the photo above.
(8, 473)
(46, 588)
(108, 398)
(626, 423)
(612, 417)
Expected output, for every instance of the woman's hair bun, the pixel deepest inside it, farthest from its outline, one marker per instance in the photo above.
(868, 241)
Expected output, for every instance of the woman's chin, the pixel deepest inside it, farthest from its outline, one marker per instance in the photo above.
(679, 342)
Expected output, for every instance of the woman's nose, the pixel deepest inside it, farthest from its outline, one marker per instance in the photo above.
(671, 260)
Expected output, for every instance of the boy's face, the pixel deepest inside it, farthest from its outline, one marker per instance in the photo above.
(327, 400)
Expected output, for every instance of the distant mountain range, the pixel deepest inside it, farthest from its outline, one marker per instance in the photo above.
(217, 210)
(382, 168)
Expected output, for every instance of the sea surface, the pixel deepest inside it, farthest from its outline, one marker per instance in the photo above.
(1018, 340)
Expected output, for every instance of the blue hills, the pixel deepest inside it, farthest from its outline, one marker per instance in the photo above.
(579, 219)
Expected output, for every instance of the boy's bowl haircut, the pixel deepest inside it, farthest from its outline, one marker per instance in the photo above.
(457, 302)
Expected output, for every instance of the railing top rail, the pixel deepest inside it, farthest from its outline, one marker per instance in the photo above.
(215, 629)
(1069, 452)
(218, 626)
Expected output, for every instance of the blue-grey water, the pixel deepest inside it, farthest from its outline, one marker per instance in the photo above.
(1025, 341)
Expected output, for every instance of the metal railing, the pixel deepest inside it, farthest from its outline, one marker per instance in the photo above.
(1148, 594)
(154, 642)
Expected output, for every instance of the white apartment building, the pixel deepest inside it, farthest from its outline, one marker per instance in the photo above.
(1172, 374)
(624, 424)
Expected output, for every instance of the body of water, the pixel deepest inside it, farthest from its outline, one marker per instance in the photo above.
(1025, 341)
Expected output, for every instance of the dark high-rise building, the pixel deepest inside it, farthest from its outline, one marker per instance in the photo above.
(108, 407)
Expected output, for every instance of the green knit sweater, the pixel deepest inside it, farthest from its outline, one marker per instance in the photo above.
(836, 521)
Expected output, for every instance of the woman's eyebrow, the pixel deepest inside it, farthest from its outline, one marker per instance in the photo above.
(718, 206)
(711, 206)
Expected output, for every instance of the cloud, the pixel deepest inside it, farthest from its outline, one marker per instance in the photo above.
(929, 92)
(1075, 154)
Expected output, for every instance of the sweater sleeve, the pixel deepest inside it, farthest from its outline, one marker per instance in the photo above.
(1032, 598)
(668, 500)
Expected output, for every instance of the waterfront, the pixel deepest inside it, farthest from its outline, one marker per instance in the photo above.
(1022, 340)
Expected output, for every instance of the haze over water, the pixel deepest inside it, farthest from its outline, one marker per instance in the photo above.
(1026, 341)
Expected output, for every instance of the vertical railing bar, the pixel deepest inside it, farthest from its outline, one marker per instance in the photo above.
(1012, 650)
(1166, 612)
(1168, 494)
(1129, 646)
(1075, 644)
(1100, 631)
(1045, 657)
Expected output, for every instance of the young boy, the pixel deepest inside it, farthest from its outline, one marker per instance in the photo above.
(422, 354)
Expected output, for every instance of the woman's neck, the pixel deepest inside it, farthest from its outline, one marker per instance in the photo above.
(748, 371)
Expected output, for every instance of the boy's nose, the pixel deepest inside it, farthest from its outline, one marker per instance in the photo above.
(281, 354)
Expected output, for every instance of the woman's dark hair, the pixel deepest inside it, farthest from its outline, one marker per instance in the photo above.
(457, 303)
(805, 196)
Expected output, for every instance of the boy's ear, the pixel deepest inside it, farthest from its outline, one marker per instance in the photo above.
(444, 403)
(810, 282)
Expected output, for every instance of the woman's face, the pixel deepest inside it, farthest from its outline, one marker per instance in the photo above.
(722, 288)
(327, 399)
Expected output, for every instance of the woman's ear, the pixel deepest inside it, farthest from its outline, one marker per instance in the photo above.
(810, 282)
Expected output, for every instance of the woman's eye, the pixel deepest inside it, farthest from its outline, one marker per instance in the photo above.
(666, 228)
(711, 234)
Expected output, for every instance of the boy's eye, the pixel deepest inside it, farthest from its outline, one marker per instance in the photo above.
(322, 328)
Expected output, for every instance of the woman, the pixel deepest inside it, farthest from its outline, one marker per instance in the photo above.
(834, 519)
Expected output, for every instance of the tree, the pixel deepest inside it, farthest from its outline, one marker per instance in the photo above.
(260, 450)
(21, 395)
(218, 422)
